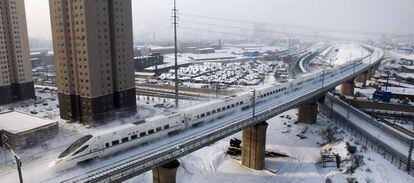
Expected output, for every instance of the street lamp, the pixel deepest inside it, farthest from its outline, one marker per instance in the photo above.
(17, 160)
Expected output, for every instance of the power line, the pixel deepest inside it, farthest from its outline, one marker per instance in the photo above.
(355, 32)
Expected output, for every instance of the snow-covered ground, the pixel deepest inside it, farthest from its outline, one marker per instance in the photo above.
(349, 51)
(212, 164)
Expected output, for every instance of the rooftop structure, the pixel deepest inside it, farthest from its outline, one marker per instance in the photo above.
(24, 130)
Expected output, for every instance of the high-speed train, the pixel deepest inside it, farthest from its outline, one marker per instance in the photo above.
(133, 134)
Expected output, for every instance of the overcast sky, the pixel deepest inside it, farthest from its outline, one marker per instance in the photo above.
(153, 16)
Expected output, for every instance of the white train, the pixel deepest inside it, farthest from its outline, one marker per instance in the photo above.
(130, 135)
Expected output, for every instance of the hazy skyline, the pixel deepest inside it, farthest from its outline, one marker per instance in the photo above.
(153, 16)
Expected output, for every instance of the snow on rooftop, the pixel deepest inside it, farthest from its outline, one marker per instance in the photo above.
(406, 75)
(400, 90)
(16, 122)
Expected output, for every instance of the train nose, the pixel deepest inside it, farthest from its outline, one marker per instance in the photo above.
(55, 163)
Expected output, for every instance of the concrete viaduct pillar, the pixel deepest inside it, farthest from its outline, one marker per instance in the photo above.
(253, 146)
(308, 113)
(347, 88)
(372, 72)
(362, 78)
(165, 173)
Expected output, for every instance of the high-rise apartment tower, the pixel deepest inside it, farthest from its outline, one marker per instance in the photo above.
(93, 55)
(16, 81)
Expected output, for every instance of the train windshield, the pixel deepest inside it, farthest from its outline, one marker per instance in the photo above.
(75, 145)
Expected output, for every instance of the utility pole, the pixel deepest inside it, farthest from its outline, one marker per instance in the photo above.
(323, 77)
(16, 157)
(175, 54)
(370, 58)
(254, 103)
(410, 152)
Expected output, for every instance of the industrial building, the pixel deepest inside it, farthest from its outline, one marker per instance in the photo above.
(93, 53)
(41, 58)
(21, 130)
(16, 81)
(148, 61)
(147, 51)
(203, 50)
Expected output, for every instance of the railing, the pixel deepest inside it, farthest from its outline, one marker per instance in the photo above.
(392, 155)
(142, 164)
(400, 136)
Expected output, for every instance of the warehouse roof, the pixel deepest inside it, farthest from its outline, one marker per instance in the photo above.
(16, 122)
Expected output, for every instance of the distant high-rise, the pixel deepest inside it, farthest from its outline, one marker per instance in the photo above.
(93, 55)
(16, 81)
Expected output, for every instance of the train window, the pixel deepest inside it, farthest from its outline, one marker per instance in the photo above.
(158, 129)
(134, 136)
(208, 113)
(115, 142)
(107, 145)
(202, 115)
(125, 139)
(151, 131)
(182, 121)
(223, 108)
(218, 110)
(142, 134)
(241, 102)
(80, 150)
(232, 105)
(228, 107)
(198, 116)
(214, 111)
(166, 126)
(75, 145)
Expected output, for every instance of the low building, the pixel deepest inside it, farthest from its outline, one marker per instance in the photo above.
(251, 53)
(21, 130)
(407, 50)
(140, 63)
(203, 50)
(144, 75)
(407, 69)
(147, 51)
(42, 58)
(407, 61)
(216, 46)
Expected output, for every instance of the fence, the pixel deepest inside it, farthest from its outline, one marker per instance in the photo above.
(392, 155)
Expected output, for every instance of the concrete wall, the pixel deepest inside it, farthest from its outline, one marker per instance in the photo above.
(32, 137)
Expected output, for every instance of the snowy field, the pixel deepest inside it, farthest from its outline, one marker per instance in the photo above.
(212, 164)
